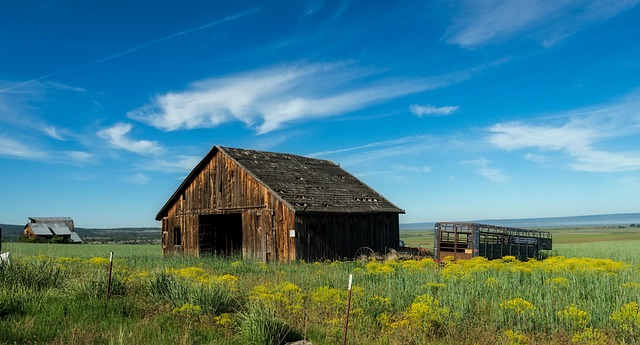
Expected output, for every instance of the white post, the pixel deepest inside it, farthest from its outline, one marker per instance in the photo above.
(346, 320)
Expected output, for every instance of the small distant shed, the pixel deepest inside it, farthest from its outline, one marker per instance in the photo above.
(275, 207)
(48, 227)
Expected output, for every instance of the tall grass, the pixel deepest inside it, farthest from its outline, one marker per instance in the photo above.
(59, 299)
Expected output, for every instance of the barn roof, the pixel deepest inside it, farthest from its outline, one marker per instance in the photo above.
(50, 219)
(305, 184)
(39, 229)
(59, 229)
(75, 238)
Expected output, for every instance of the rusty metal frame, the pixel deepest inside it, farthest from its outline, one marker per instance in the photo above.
(465, 240)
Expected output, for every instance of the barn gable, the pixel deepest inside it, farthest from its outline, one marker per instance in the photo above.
(264, 205)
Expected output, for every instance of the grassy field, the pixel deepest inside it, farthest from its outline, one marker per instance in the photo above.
(148, 251)
(588, 293)
(424, 238)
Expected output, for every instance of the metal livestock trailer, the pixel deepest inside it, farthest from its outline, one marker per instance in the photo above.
(468, 240)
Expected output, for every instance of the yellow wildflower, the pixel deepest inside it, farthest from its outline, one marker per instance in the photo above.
(98, 261)
(491, 281)
(574, 317)
(627, 318)
(519, 306)
(515, 338)
(224, 320)
(379, 268)
(559, 282)
(590, 336)
(188, 309)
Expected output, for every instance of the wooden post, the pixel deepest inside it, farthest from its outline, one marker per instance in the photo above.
(346, 320)
(109, 279)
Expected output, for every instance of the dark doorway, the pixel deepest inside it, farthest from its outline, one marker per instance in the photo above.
(220, 234)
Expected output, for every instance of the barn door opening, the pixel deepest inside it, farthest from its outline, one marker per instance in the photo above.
(220, 234)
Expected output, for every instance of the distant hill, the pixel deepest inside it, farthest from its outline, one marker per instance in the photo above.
(10, 233)
(153, 235)
(546, 222)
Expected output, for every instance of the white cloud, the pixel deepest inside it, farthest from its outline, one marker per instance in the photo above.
(535, 158)
(355, 156)
(136, 179)
(482, 167)
(117, 135)
(578, 135)
(514, 136)
(428, 110)
(178, 164)
(410, 168)
(482, 22)
(54, 133)
(578, 143)
(12, 148)
(269, 98)
(79, 156)
(232, 17)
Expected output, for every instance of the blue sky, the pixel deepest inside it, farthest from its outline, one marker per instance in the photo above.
(453, 110)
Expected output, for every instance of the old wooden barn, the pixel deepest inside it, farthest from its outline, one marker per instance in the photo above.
(274, 206)
(46, 228)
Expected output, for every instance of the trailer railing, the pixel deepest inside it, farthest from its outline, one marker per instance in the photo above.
(464, 240)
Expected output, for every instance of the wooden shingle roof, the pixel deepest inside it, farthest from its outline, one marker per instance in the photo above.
(309, 184)
(305, 184)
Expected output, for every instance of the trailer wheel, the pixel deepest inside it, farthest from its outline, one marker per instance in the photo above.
(364, 254)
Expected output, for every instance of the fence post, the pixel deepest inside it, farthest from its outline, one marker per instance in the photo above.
(109, 279)
(346, 320)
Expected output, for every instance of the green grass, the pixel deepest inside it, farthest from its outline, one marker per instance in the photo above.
(55, 294)
(424, 238)
(83, 250)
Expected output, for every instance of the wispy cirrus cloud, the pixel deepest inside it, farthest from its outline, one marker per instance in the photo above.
(177, 164)
(430, 110)
(482, 22)
(54, 133)
(379, 149)
(136, 179)
(482, 167)
(17, 149)
(579, 135)
(217, 22)
(267, 99)
(79, 156)
(12, 148)
(411, 168)
(118, 135)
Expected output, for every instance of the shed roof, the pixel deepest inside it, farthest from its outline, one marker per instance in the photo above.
(305, 184)
(50, 219)
(59, 229)
(40, 229)
(75, 238)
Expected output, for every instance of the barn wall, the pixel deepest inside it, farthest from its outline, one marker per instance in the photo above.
(224, 187)
(338, 236)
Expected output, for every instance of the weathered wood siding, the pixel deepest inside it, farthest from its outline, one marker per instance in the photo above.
(336, 236)
(222, 186)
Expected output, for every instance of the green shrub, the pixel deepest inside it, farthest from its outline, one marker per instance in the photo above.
(12, 302)
(213, 298)
(38, 274)
(259, 326)
(94, 285)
